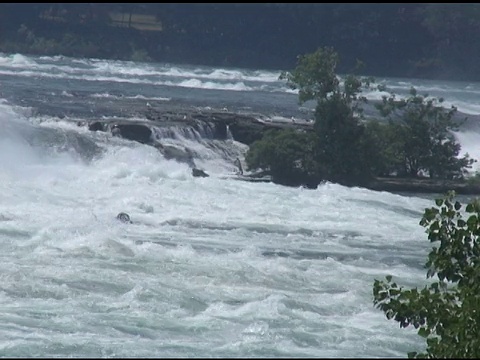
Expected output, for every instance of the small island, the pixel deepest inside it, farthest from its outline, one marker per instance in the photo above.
(405, 145)
(247, 129)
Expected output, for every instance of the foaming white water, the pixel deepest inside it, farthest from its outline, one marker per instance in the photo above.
(195, 83)
(463, 95)
(191, 83)
(136, 73)
(142, 69)
(107, 95)
(471, 145)
(16, 60)
(210, 266)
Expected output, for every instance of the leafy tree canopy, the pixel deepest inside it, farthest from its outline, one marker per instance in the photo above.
(416, 140)
(423, 134)
(288, 155)
(447, 311)
(341, 146)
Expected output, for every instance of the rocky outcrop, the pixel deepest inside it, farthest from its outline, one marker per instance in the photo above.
(199, 173)
(243, 127)
(131, 130)
(175, 153)
(135, 132)
(216, 124)
(96, 126)
(172, 120)
(211, 124)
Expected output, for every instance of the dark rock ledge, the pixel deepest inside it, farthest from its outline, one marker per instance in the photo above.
(245, 128)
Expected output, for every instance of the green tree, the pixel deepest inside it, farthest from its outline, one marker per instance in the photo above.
(288, 156)
(423, 136)
(314, 75)
(341, 144)
(447, 311)
(382, 139)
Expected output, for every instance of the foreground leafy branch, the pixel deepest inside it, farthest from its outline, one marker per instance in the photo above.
(446, 312)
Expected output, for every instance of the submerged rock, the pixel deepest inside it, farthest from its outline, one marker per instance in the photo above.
(136, 132)
(124, 217)
(96, 126)
(199, 173)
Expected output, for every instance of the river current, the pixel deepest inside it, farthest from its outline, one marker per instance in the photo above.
(210, 267)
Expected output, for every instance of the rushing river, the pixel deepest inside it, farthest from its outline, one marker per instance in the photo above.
(210, 267)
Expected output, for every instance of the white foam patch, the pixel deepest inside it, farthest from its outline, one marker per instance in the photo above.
(141, 97)
(470, 142)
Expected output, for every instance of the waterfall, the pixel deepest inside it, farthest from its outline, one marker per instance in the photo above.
(229, 133)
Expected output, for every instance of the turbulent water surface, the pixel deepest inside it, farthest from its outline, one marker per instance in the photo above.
(209, 267)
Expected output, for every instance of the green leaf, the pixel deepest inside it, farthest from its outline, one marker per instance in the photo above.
(423, 332)
(472, 222)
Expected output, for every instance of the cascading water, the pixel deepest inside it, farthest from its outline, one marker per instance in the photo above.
(209, 153)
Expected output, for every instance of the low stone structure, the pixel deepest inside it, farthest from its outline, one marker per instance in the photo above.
(424, 185)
